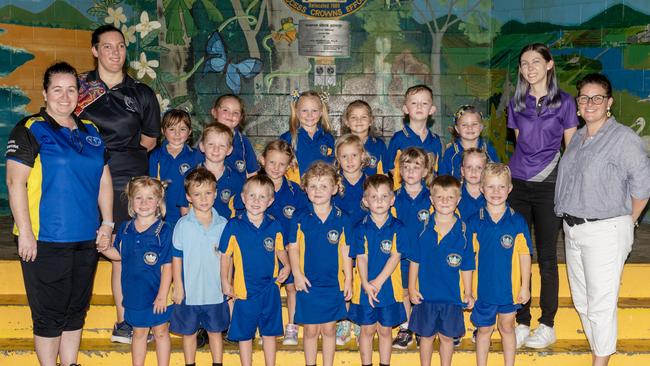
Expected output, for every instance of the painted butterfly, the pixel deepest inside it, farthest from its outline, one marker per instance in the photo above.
(218, 62)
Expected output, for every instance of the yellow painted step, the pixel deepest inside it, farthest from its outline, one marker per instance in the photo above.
(573, 353)
(632, 322)
(634, 282)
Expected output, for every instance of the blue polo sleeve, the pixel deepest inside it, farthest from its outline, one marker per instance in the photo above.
(469, 260)
(292, 235)
(119, 235)
(391, 153)
(177, 239)
(252, 165)
(404, 242)
(356, 242)
(445, 165)
(225, 237)
(166, 244)
(154, 161)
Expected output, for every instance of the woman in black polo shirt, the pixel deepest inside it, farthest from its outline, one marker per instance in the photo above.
(128, 116)
(57, 176)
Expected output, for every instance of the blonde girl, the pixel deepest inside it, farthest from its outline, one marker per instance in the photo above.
(468, 125)
(143, 244)
(309, 133)
(276, 159)
(357, 120)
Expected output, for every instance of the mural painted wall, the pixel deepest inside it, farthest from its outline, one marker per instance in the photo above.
(191, 51)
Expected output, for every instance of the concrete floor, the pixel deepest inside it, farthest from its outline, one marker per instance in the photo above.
(640, 250)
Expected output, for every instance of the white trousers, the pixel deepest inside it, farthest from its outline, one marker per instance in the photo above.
(595, 255)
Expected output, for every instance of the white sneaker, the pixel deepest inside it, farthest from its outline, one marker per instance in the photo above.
(290, 335)
(522, 332)
(541, 337)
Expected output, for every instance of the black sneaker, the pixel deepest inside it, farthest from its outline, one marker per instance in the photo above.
(417, 341)
(457, 341)
(122, 333)
(202, 338)
(403, 339)
(474, 335)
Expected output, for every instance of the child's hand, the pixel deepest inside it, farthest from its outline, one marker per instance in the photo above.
(347, 289)
(524, 296)
(415, 296)
(103, 241)
(178, 294)
(227, 290)
(159, 305)
(469, 300)
(301, 283)
(371, 291)
(283, 274)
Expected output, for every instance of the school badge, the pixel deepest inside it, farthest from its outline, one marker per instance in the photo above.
(507, 242)
(373, 162)
(423, 215)
(93, 140)
(240, 165)
(150, 258)
(333, 236)
(385, 246)
(184, 168)
(454, 260)
(288, 211)
(269, 244)
(225, 195)
(323, 150)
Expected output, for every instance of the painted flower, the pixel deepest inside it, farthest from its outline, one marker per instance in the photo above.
(115, 16)
(129, 34)
(145, 25)
(163, 102)
(145, 67)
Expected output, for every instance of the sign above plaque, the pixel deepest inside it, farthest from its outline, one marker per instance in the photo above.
(324, 38)
(326, 9)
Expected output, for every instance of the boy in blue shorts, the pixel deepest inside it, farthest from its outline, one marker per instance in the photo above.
(440, 257)
(502, 244)
(196, 269)
(377, 244)
(254, 242)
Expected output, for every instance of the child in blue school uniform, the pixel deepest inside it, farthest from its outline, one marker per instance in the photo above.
(196, 270)
(503, 249)
(468, 125)
(441, 256)
(412, 207)
(418, 108)
(173, 160)
(276, 159)
(471, 198)
(320, 264)
(309, 133)
(216, 144)
(357, 120)
(229, 110)
(378, 242)
(143, 244)
(253, 242)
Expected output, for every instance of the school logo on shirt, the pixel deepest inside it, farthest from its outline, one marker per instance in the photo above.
(93, 140)
(269, 244)
(130, 104)
(240, 165)
(333, 236)
(150, 258)
(454, 260)
(184, 168)
(386, 246)
(423, 215)
(323, 150)
(288, 211)
(373, 162)
(507, 241)
(225, 195)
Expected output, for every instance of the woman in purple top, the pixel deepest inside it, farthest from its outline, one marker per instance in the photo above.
(542, 116)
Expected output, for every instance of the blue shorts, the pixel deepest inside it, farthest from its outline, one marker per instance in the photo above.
(321, 305)
(428, 319)
(187, 319)
(146, 318)
(387, 316)
(485, 315)
(262, 310)
(404, 267)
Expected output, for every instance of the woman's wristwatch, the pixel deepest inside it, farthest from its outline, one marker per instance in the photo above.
(109, 224)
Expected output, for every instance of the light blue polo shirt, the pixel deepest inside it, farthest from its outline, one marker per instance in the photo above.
(199, 249)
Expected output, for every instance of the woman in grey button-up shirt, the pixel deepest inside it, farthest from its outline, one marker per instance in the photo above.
(603, 185)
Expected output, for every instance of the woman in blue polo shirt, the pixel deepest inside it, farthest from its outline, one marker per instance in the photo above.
(542, 116)
(57, 177)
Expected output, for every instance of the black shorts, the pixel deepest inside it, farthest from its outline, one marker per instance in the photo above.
(59, 285)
